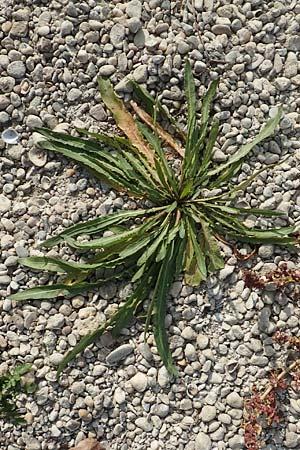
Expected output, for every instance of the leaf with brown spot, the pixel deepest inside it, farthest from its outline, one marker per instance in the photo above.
(123, 118)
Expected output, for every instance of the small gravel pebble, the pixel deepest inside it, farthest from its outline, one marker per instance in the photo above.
(119, 353)
(220, 332)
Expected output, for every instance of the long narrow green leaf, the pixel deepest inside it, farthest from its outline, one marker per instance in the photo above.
(163, 163)
(54, 290)
(267, 130)
(50, 264)
(109, 242)
(246, 183)
(190, 94)
(191, 160)
(163, 282)
(94, 226)
(243, 211)
(113, 175)
(212, 250)
(150, 102)
(208, 149)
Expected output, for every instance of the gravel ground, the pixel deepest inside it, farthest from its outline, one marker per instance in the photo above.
(51, 53)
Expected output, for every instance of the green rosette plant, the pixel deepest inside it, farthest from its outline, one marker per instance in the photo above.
(178, 229)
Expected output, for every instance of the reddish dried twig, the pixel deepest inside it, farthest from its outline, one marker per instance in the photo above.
(263, 407)
(282, 276)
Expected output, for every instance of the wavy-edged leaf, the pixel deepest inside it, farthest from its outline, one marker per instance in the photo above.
(123, 119)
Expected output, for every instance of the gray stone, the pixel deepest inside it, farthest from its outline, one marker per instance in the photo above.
(175, 288)
(265, 67)
(66, 28)
(264, 320)
(55, 359)
(33, 121)
(108, 291)
(119, 396)
(190, 352)
(4, 102)
(282, 83)
(140, 38)
(293, 43)
(124, 86)
(83, 56)
(292, 439)
(4, 118)
(107, 70)
(16, 69)
(5, 204)
(160, 410)
(163, 377)
(234, 400)
(55, 322)
(291, 65)
(139, 382)
(134, 9)
(74, 94)
(183, 47)
(202, 441)
(259, 360)
(198, 5)
(220, 28)
(208, 413)
(42, 395)
(144, 424)
(5, 280)
(19, 29)
(140, 74)
(224, 273)
(266, 251)
(78, 387)
(236, 443)
(98, 113)
(117, 35)
(145, 351)
(219, 156)
(134, 25)
(202, 341)
(118, 354)
(43, 30)
(244, 35)
(188, 333)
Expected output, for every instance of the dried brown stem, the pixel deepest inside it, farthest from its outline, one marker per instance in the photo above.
(280, 377)
(162, 133)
